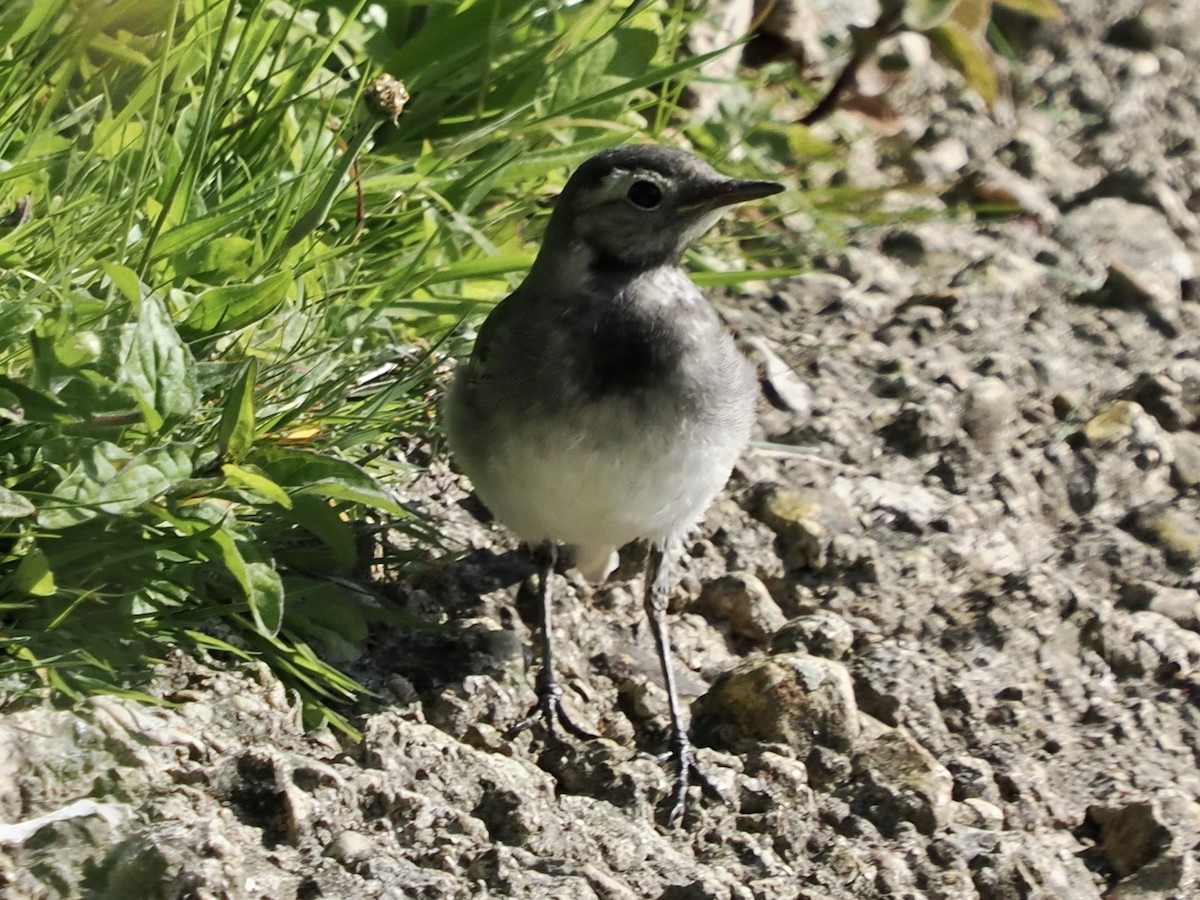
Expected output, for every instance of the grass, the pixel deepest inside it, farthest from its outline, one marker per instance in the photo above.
(196, 271)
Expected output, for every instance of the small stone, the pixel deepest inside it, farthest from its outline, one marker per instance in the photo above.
(744, 600)
(806, 521)
(988, 412)
(1175, 530)
(979, 813)
(1186, 467)
(901, 782)
(350, 848)
(1142, 259)
(791, 699)
(1066, 405)
(820, 634)
(1113, 425)
(1180, 605)
(1163, 399)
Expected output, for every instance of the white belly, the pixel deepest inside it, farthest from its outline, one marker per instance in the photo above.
(599, 488)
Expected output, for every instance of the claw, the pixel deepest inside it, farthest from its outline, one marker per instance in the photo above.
(687, 772)
(549, 712)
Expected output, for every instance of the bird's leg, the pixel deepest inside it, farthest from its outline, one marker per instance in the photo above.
(548, 710)
(656, 596)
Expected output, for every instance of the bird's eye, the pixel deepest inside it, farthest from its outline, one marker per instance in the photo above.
(645, 194)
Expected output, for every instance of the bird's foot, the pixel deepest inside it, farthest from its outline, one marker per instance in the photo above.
(549, 713)
(687, 773)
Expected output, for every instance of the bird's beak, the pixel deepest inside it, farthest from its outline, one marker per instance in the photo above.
(727, 193)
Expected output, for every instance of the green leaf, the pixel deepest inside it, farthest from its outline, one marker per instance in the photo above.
(14, 505)
(969, 55)
(235, 434)
(310, 473)
(220, 259)
(33, 575)
(35, 404)
(214, 643)
(320, 610)
(191, 234)
(107, 480)
(922, 15)
(159, 367)
(1039, 9)
(23, 18)
(315, 515)
(124, 280)
(605, 65)
(259, 581)
(256, 483)
(76, 494)
(145, 477)
(110, 46)
(225, 309)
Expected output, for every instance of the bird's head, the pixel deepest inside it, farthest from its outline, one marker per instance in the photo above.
(638, 207)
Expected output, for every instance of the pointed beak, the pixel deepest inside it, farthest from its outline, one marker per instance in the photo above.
(727, 193)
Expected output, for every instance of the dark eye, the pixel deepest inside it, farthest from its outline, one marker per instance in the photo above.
(644, 194)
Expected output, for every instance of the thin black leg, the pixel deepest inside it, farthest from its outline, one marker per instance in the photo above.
(657, 594)
(548, 710)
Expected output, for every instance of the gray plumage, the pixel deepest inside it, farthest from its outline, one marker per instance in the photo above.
(604, 400)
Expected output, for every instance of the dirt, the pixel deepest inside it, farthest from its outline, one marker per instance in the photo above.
(940, 637)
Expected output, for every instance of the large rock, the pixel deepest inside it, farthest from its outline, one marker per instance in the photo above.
(791, 699)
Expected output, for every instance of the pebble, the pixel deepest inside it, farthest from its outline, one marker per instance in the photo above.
(745, 602)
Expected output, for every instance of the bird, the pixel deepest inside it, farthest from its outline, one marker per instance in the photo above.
(604, 401)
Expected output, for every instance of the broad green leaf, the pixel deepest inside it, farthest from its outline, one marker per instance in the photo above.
(442, 45)
(256, 483)
(921, 15)
(159, 367)
(75, 497)
(319, 609)
(14, 505)
(145, 477)
(235, 434)
(18, 317)
(969, 55)
(323, 521)
(311, 473)
(124, 280)
(582, 84)
(220, 259)
(225, 309)
(113, 137)
(1039, 9)
(258, 579)
(33, 575)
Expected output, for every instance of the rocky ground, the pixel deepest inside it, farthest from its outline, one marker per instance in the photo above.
(941, 633)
